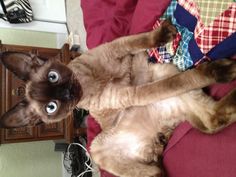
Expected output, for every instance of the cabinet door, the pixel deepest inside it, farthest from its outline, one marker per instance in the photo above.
(55, 130)
(19, 134)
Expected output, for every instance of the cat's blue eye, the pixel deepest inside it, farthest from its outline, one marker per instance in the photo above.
(53, 76)
(51, 107)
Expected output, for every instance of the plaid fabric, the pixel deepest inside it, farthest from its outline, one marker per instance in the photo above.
(213, 25)
(182, 58)
(216, 20)
(192, 7)
(161, 55)
(210, 10)
(179, 49)
(165, 55)
(221, 28)
(154, 56)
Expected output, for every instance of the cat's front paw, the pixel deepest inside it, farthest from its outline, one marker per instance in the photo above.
(165, 33)
(223, 70)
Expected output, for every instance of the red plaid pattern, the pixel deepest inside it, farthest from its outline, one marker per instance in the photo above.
(209, 36)
(206, 36)
(190, 6)
(176, 41)
(155, 53)
(156, 25)
(221, 28)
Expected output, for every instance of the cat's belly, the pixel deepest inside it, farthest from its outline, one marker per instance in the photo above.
(151, 119)
(138, 128)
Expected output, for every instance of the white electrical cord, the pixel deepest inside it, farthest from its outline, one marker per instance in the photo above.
(89, 159)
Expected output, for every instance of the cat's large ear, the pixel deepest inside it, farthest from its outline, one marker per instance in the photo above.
(21, 64)
(19, 116)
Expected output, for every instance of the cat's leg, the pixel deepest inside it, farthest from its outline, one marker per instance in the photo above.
(135, 43)
(210, 116)
(127, 167)
(225, 112)
(215, 115)
(219, 71)
(113, 154)
(199, 109)
(208, 73)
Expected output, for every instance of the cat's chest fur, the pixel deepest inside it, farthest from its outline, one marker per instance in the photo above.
(100, 77)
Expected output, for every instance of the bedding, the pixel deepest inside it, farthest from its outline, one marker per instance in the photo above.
(189, 153)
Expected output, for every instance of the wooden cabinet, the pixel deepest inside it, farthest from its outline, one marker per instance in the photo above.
(13, 90)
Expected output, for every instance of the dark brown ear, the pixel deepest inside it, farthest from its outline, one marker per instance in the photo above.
(20, 115)
(21, 64)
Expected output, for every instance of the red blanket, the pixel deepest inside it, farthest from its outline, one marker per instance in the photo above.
(189, 153)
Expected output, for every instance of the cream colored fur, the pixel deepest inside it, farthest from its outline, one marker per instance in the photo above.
(134, 100)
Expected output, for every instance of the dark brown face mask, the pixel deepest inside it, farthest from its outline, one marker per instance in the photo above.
(51, 90)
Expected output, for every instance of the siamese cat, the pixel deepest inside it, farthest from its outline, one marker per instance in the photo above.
(136, 103)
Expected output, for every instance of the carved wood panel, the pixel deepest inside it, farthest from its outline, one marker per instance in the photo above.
(15, 90)
(20, 133)
(51, 130)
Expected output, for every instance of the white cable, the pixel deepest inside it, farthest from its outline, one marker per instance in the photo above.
(89, 159)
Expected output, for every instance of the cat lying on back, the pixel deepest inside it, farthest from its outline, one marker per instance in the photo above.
(137, 104)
